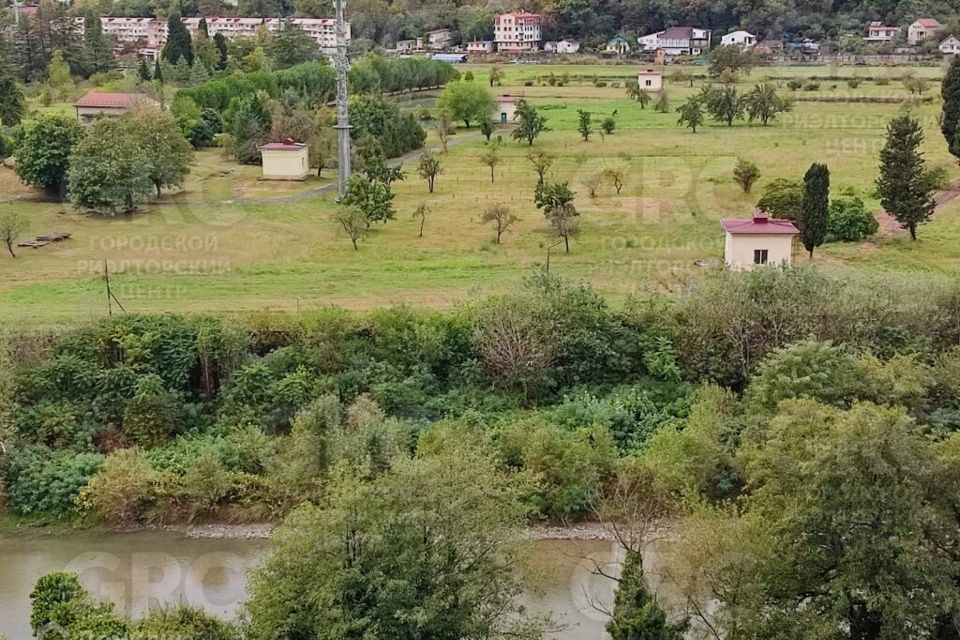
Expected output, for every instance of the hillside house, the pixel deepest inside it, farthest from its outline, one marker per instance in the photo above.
(757, 241)
(739, 38)
(950, 46)
(677, 41)
(922, 29)
(96, 104)
(618, 44)
(879, 32)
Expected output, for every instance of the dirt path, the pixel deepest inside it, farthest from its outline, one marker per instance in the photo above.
(890, 227)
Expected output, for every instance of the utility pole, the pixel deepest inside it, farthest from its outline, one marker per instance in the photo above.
(16, 11)
(341, 64)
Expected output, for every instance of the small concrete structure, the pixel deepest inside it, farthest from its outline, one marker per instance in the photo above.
(287, 160)
(740, 38)
(96, 103)
(650, 80)
(568, 46)
(758, 241)
(505, 109)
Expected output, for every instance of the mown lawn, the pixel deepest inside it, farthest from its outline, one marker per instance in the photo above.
(194, 253)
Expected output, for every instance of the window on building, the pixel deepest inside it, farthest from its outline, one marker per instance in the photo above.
(649, 83)
(759, 256)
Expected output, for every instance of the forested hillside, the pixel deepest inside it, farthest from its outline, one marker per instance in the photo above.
(383, 22)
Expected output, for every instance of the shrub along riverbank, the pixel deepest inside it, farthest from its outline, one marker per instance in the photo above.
(164, 419)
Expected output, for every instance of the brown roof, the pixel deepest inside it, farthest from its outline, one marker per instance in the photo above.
(110, 100)
(930, 23)
(759, 224)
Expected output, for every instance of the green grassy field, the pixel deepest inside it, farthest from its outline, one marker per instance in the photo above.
(194, 252)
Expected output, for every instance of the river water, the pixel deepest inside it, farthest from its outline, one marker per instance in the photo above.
(140, 570)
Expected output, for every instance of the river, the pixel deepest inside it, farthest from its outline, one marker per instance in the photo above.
(140, 570)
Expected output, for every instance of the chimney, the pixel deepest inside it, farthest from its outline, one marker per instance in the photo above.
(288, 141)
(760, 217)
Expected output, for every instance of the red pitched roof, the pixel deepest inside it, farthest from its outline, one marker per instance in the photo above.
(286, 145)
(110, 100)
(759, 224)
(930, 23)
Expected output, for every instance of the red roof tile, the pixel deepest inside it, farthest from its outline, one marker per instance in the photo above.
(759, 224)
(286, 145)
(95, 99)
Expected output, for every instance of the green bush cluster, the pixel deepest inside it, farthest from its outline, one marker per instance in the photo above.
(162, 418)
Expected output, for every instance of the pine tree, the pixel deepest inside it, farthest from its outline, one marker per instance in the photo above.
(815, 207)
(636, 615)
(97, 53)
(179, 45)
(904, 185)
(950, 122)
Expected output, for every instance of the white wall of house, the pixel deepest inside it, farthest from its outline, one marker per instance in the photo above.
(284, 164)
(739, 249)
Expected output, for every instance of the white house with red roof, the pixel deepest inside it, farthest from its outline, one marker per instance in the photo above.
(922, 29)
(286, 160)
(517, 32)
(757, 241)
(96, 104)
(879, 32)
(650, 80)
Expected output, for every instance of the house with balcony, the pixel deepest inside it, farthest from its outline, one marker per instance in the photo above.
(922, 29)
(879, 32)
(740, 38)
(678, 41)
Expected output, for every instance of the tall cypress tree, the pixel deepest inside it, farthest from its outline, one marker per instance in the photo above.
(179, 45)
(144, 71)
(157, 72)
(636, 615)
(904, 185)
(221, 43)
(815, 206)
(950, 92)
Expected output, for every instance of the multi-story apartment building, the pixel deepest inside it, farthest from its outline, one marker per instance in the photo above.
(517, 32)
(151, 33)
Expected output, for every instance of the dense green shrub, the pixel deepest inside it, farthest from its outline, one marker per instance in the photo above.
(850, 221)
(123, 489)
(182, 622)
(41, 481)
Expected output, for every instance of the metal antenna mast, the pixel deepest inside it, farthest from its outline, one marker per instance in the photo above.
(341, 64)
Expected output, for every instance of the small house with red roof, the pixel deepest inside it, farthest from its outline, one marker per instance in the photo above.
(97, 103)
(757, 241)
(286, 160)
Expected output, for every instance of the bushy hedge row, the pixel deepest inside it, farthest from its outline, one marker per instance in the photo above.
(165, 418)
(316, 83)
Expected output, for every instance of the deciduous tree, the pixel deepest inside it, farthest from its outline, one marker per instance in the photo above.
(530, 123)
(466, 101)
(762, 103)
(429, 168)
(745, 173)
(43, 155)
(165, 151)
(109, 172)
(583, 124)
(501, 216)
(12, 224)
(691, 114)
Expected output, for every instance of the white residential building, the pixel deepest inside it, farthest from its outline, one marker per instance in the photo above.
(950, 46)
(740, 38)
(676, 41)
(152, 32)
(879, 32)
(568, 46)
(517, 32)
